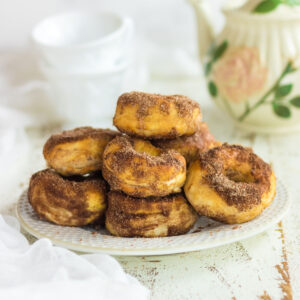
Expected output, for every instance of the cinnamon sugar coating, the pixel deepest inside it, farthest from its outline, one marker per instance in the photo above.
(78, 151)
(68, 201)
(148, 217)
(137, 168)
(230, 184)
(156, 116)
(191, 146)
(220, 170)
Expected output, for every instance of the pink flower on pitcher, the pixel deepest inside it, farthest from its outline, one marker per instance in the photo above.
(239, 74)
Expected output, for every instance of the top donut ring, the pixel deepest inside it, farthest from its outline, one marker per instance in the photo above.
(156, 116)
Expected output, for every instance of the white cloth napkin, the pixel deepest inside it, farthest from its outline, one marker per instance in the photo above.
(43, 271)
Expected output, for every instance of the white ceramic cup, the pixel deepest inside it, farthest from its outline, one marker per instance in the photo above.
(84, 41)
(85, 98)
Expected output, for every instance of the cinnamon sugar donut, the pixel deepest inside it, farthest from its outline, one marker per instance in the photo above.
(190, 146)
(139, 169)
(78, 151)
(156, 116)
(72, 201)
(148, 217)
(230, 184)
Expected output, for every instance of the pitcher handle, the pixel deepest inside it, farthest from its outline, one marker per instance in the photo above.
(206, 32)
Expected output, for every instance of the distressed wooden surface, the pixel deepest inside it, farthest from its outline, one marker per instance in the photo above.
(266, 266)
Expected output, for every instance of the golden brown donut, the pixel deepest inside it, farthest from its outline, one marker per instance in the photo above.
(155, 116)
(78, 151)
(139, 169)
(72, 201)
(148, 217)
(230, 184)
(190, 146)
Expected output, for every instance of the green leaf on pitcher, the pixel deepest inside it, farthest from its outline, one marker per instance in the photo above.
(281, 110)
(266, 6)
(220, 50)
(283, 90)
(211, 49)
(212, 88)
(295, 101)
(208, 67)
(289, 68)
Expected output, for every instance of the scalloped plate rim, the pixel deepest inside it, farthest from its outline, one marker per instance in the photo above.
(160, 250)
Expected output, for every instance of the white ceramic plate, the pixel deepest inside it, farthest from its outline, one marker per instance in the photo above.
(205, 234)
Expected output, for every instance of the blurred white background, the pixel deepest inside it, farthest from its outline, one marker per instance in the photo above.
(166, 43)
(168, 22)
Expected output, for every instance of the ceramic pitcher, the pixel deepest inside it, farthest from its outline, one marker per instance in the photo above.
(252, 66)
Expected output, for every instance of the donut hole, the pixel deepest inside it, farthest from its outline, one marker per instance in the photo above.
(142, 146)
(239, 175)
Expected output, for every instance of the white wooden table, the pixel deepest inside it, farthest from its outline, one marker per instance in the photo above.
(266, 266)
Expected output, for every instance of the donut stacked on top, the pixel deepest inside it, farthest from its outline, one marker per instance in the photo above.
(145, 180)
(170, 122)
(69, 192)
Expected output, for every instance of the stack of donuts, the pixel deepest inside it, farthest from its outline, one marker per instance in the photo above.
(152, 177)
(146, 180)
(70, 192)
